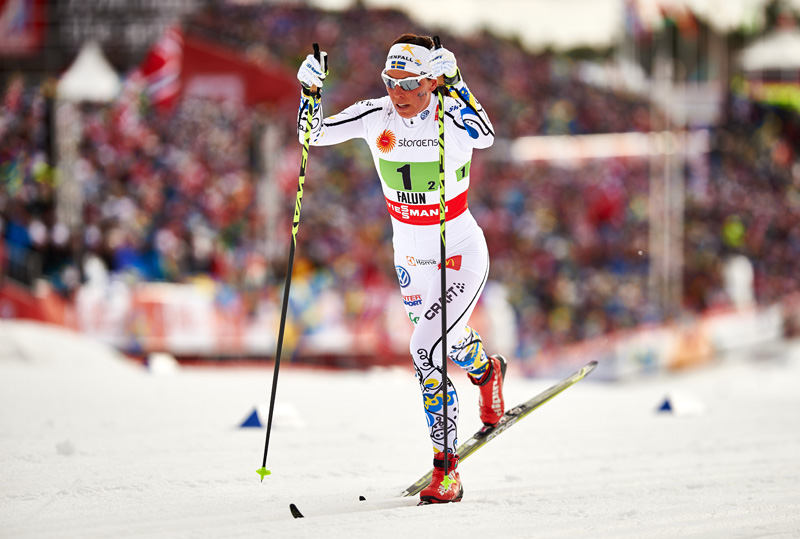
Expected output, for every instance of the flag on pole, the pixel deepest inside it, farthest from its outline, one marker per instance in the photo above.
(161, 70)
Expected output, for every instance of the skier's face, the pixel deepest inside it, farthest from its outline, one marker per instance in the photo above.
(409, 103)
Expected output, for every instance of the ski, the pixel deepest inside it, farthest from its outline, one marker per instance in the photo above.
(484, 436)
(343, 508)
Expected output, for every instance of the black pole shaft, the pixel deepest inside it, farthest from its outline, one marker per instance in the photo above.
(295, 226)
(281, 331)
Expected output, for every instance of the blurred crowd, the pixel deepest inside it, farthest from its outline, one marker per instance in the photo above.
(526, 94)
(161, 199)
(748, 205)
(175, 197)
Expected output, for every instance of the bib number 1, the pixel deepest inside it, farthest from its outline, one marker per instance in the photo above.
(417, 177)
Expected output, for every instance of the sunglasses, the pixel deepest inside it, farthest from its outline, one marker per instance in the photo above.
(409, 83)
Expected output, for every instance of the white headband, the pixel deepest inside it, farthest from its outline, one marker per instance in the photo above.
(408, 57)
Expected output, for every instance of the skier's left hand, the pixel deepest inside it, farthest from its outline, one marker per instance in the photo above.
(443, 63)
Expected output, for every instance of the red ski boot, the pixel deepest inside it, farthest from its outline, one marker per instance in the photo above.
(490, 401)
(441, 489)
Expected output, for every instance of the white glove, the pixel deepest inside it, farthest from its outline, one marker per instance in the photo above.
(311, 72)
(443, 63)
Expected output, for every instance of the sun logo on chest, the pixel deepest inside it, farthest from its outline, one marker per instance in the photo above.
(386, 141)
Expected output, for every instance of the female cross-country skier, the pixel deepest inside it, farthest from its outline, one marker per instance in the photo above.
(402, 132)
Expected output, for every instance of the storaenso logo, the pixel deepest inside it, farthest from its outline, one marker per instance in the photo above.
(386, 141)
(417, 143)
(452, 293)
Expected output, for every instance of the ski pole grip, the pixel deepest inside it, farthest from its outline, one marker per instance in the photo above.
(322, 58)
(438, 45)
(313, 91)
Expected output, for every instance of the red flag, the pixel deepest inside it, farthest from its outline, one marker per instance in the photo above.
(161, 70)
(22, 27)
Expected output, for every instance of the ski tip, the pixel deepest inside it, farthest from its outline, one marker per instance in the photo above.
(295, 511)
(263, 472)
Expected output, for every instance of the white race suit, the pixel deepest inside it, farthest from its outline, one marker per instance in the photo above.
(406, 156)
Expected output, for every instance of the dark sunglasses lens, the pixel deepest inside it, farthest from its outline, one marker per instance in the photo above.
(405, 84)
(409, 84)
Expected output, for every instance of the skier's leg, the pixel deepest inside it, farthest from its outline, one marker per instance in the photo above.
(429, 374)
(464, 288)
(468, 353)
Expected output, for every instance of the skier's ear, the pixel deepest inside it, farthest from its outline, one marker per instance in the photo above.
(431, 84)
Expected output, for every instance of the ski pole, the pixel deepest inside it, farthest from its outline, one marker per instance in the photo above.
(312, 103)
(440, 90)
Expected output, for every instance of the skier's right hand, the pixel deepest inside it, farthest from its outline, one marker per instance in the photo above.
(311, 73)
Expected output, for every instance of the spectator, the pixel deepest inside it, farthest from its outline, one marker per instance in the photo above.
(171, 198)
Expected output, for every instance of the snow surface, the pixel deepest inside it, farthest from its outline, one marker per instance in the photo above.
(92, 445)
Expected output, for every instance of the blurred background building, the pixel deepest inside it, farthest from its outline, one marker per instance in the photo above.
(645, 176)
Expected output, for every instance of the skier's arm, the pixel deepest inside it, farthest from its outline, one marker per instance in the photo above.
(470, 117)
(344, 126)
